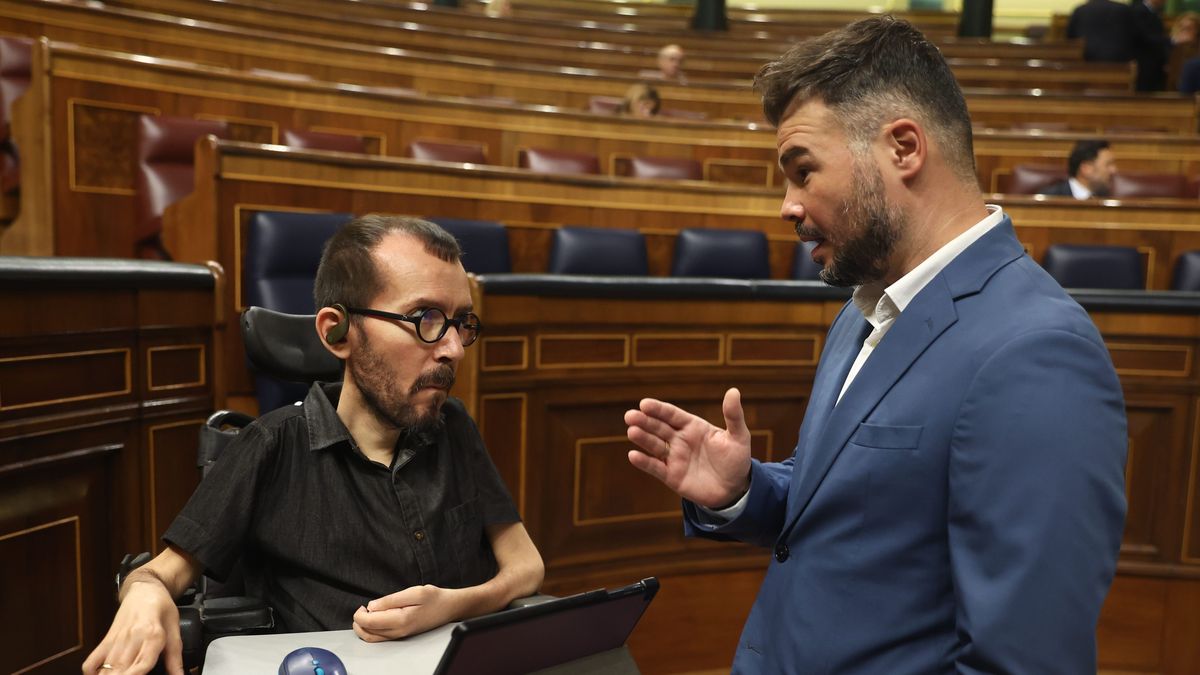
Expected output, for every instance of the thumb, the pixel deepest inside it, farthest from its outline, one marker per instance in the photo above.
(735, 417)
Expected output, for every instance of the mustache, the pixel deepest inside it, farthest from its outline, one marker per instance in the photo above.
(442, 377)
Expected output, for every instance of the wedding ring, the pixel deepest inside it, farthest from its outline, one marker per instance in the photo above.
(106, 666)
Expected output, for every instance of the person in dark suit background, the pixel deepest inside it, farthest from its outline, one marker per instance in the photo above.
(1116, 32)
(1104, 27)
(956, 499)
(1090, 169)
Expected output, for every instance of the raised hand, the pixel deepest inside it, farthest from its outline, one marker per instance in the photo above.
(701, 462)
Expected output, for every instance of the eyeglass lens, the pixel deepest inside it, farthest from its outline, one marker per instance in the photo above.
(434, 324)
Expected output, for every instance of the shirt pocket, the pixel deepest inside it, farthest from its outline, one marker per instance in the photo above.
(887, 437)
(469, 548)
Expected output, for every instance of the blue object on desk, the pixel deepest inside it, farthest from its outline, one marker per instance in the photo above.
(312, 661)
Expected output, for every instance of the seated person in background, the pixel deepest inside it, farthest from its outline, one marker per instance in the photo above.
(670, 66)
(640, 101)
(373, 505)
(499, 9)
(1186, 28)
(1090, 166)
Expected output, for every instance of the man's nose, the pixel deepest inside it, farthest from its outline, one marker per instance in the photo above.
(450, 347)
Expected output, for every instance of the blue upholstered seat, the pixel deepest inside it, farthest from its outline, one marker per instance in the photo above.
(282, 253)
(1187, 272)
(803, 266)
(1091, 266)
(599, 251)
(484, 244)
(733, 254)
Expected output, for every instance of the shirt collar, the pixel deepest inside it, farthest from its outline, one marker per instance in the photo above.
(325, 428)
(880, 305)
(1078, 190)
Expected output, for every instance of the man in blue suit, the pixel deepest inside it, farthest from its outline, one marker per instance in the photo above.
(956, 499)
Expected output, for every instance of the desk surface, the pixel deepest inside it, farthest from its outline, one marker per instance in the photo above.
(261, 654)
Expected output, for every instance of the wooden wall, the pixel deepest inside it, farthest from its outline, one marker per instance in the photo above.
(107, 371)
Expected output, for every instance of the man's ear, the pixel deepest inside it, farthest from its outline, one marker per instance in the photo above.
(332, 324)
(907, 147)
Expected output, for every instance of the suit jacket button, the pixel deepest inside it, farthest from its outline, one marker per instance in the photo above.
(781, 552)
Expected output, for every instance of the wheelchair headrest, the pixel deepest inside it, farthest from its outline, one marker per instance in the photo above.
(286, 346)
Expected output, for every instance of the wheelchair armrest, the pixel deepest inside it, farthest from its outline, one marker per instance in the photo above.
(530, 600)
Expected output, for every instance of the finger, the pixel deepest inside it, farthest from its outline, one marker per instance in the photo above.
(735, 417)
(383, 619)
(654, 467)
(92, 663)
(648, 443)
(123, 657)
(413, 595)
(674, 416)
(173, 653)
(364, 635)
(147, 656)
(652, 426)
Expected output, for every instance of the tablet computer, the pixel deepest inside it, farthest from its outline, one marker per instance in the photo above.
(541, 636)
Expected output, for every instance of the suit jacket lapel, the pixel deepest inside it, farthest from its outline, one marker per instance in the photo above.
(929, 314)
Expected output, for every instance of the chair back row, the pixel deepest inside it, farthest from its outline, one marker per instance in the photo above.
(1031, 179)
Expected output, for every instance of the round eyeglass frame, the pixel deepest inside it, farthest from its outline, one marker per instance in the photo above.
(468, 322)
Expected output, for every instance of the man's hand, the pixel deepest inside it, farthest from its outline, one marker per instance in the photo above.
(704, 464)
(413, 610)
(146, 625)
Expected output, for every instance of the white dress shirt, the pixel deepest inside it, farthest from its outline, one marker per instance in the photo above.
(880, 306)
(1078, 190)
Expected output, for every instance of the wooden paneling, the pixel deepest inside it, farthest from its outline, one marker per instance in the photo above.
(102, 392)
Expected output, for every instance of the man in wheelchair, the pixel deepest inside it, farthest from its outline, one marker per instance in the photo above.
(373, 505)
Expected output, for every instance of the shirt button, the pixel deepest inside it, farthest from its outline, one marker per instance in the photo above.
(781, 552)
(419, 535)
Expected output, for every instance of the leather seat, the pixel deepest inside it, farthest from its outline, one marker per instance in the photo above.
(321, 140)
(668, 168)
(16, 54)
(1092, 266)
(1140, 185)
(804, 268)
(732, 254)
(561, 162)
(598, 251)
(1028, 179)
(166, 149)
(1187, 272)
(605, 105)
(448, 151)
(280, 264)
(484, 244)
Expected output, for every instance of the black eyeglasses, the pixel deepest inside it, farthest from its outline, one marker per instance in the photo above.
(432, 323)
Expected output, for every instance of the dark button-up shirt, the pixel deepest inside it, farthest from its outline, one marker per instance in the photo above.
(320, 530)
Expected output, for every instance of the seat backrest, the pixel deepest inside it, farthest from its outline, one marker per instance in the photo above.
(1187, 272)
(803, 266)
(278, 269)
(322, 140)
(484, 244)
(166, 146)
(1131, 185)
(733, 254)
(598, 251)
(1091, 266)
(287, 347)
(679, 114)
(16, 54)
(605, 105)
(448, 151)
(671, 168)
(546, 160)
(1028, 179)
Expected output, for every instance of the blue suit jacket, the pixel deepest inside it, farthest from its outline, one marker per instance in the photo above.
(961, 508)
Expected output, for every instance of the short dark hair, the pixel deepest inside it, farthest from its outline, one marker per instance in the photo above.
(1084, 151)
(347, 272)
(867, 71)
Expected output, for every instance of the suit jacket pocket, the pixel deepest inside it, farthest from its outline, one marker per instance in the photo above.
(886, 437)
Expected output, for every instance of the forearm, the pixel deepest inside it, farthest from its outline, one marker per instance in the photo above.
(516, 580)
(172, 570)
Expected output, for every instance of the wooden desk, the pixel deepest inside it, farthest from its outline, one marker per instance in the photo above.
(562, 359)
(107, 370)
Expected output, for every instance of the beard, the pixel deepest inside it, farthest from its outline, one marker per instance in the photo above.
(385, 399)
(865, 256)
